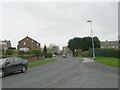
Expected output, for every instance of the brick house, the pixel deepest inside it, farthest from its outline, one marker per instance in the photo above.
(27, 44)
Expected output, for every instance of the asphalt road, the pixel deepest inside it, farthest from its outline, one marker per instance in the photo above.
(64, 73)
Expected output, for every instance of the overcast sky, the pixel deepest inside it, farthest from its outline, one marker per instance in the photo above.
(57, 22)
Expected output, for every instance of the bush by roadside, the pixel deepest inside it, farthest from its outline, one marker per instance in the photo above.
(7, 56)
(37, 53)
(25, 56)
(85, 54)
(47, 55)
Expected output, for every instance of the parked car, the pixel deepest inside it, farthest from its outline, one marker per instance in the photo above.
(11, 65)
(64, 56)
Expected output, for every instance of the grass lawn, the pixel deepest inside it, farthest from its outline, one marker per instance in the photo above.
(108, 61)
(37, 63)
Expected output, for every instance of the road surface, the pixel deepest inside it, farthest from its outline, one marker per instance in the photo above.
(67, 72)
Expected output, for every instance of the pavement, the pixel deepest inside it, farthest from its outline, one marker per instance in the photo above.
(85, 60)
(68, 72)
(88, 62)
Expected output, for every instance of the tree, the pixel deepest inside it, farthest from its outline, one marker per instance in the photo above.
(86, 43)
(96, 42)
(75, 44)
(37, 53)
(45, 49)
(83, 44)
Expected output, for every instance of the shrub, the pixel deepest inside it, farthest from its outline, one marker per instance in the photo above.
(37, 53)
(21, 52)
(48, 55)
(85, 54)
(28, 52)
(9, 52)
(77, 53)
(25, 56)
(7, 56)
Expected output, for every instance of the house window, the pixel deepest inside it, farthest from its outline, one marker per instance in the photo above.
(113, 46)
(24, 43)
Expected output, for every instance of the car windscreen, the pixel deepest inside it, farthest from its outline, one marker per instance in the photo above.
(2, 61)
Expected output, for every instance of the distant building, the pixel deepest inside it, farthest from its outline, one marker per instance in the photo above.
(53, 48)
(2, 48)
(109, 44)
(5, 44)
(65, 49)
(27, 44)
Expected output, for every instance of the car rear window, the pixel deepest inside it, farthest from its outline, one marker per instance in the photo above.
(2, 61)
(11, 60)
(17, 60)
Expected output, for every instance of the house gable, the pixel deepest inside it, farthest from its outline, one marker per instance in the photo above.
(28, 42)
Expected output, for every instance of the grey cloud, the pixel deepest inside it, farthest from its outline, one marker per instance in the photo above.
(57, 22)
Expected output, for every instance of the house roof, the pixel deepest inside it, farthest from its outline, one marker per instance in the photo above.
(2, 43)
(6, 41)
(109, 43)
(28, 38)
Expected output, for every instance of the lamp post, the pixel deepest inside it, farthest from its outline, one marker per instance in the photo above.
(92, 39)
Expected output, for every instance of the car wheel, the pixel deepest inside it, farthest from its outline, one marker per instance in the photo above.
(23, 69)
(3, 73)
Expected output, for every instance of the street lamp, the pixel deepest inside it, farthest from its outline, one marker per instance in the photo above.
(92, 39)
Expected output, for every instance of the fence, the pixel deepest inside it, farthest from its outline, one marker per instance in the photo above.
(105, 53)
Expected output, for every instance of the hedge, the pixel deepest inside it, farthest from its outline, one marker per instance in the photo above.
(105, 53)
(25, 56)
(47, 55)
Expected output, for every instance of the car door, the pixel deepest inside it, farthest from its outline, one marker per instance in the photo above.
(18, 64)
(9, 65)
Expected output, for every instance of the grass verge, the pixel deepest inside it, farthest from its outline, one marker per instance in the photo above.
(108, 61)
(37, 63)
